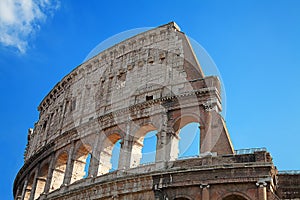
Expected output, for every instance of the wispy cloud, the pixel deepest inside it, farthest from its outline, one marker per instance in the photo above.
(20, 19)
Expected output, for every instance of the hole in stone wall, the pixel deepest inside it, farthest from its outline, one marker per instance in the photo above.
(44, 125)
(122, 76)
(148, 98)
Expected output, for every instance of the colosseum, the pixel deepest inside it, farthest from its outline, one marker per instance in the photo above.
(149, 82)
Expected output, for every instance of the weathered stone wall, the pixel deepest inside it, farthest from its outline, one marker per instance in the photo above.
(151, 81)
(210, 177)
(289, 186)
(158, 63)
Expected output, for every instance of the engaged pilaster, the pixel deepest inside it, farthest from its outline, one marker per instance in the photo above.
(262, 190)
(50, 172)
(32, 192)
(125, 153)
(167, 145)
(205, 191)
(70, 163)
(94, 162)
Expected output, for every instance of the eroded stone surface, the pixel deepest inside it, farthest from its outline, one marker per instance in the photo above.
(151, 81)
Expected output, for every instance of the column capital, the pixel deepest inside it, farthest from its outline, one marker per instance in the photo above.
(211, 105)
(204, 186)
(261, 184)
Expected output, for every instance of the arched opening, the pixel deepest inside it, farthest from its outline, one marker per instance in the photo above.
(188, 131)
(87, 165)
(144, 146)
(29, 188)
(189, 143)
(80, 163)
(149, 147)
(115, 156)
(234, 197)
(106, 153)
(59, 171)
(41, 180)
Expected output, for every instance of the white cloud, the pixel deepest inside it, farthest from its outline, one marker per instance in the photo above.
(20, 19)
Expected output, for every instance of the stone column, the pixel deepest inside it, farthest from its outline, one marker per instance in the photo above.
(50, 173)
(17, 197)
(205, 191)
(24, 188)
(202, 129)
(261, 190)
(167, 146)
(94, 162)
(206, 133)
(125, 153)
(126, 148)
(70, 163)
(36, 173)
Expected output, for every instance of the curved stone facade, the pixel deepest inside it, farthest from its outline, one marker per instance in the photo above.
(151, 81)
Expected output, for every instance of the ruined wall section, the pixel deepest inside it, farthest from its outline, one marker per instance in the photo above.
(153, 64)
(289, 185)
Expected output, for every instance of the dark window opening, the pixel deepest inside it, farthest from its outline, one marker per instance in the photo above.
(44, 125)
(148, 98)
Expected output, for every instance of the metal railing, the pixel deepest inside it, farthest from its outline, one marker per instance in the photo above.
(146, 163)
(292, 172)
(187, 157)
(249, 151)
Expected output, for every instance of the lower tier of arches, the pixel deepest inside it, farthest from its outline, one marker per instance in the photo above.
(195, 178)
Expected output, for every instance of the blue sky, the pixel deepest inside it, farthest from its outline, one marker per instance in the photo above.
(254, 43)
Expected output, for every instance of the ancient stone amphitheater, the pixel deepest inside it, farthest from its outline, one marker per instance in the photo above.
(151, 81)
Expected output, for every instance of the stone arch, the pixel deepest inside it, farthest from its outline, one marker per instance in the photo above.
(59, 171)
(179, 123)
(181, 197)
(115, 130)
(111, 138)
(137, 142)
(185, 119)
(41, 180)
(79, 163)
(234, 196)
